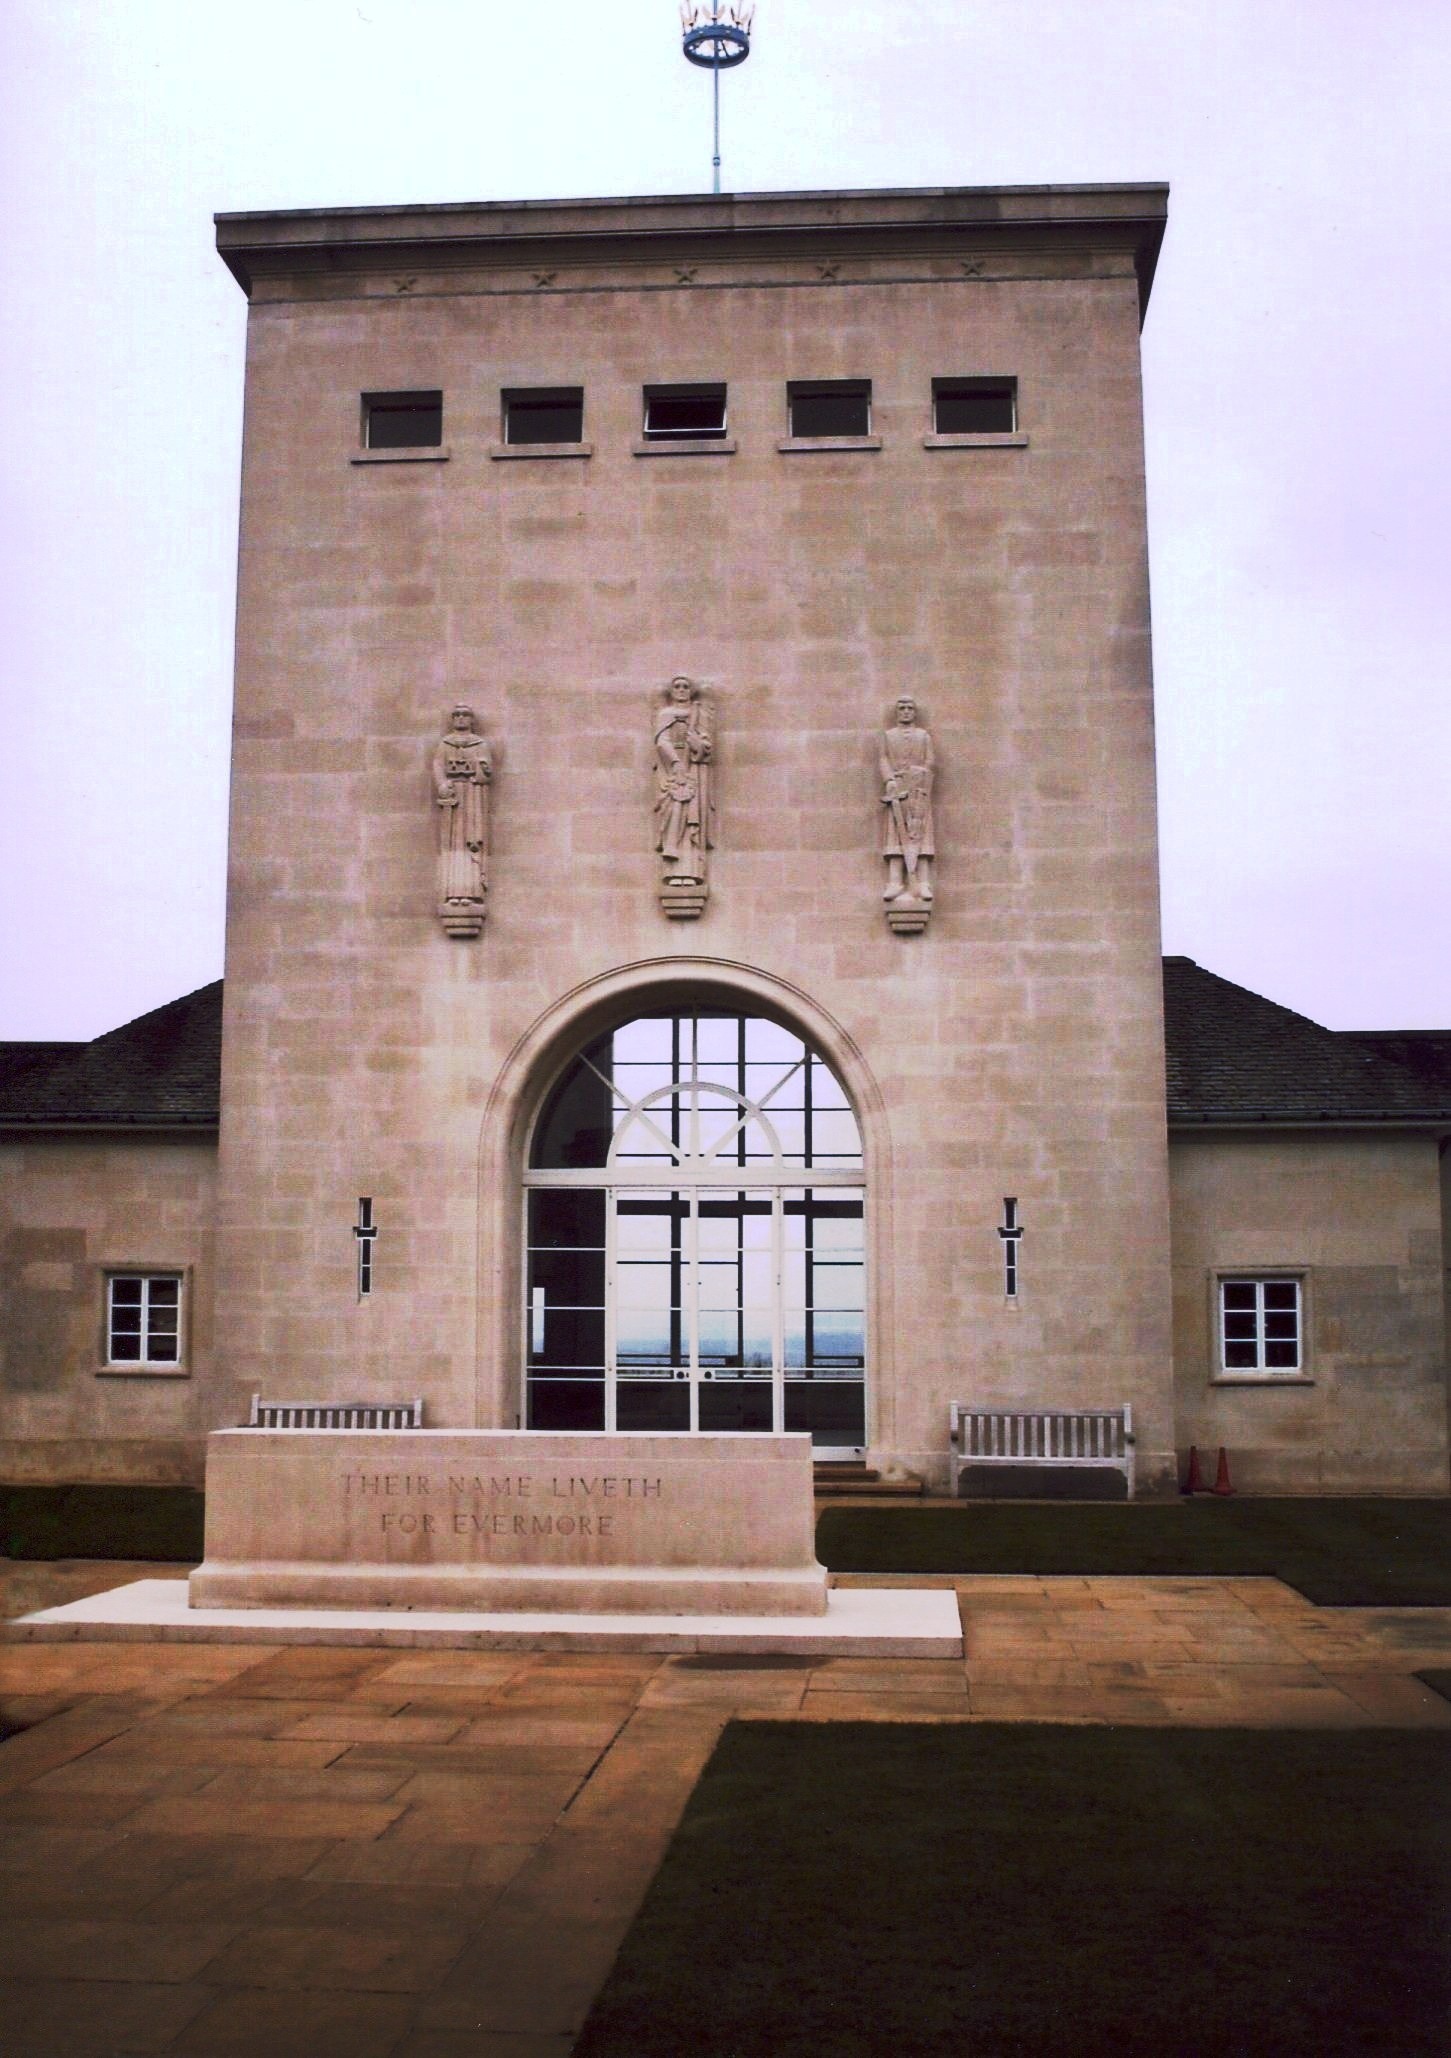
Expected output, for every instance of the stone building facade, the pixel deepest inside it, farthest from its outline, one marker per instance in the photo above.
(725, 621)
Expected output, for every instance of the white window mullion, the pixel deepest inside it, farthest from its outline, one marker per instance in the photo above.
(611, 1367)
(778, 1313)
(690, 1311)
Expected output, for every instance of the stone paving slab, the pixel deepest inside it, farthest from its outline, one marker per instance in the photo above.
(257, 1850)
(153, 1611)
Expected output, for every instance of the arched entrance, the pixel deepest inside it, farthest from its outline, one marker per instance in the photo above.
(694, 1218)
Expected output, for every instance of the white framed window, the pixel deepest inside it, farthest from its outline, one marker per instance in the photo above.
(684, 414)
(143, 1321)
(1261, 1325)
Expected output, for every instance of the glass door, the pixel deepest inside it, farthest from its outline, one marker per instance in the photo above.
(692, 1327)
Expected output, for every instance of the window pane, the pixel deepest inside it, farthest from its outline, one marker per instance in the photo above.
(1282, 1325)
(836, 1286)
(769, 1043)
(834, 1134)
(577, 1124)
(843, 409)
(686, 414)
(125, 1348)
(567, 1219)
(162, 1350)
(646, 1040)
(1239, 1357)
(838, 1338)
(1283, 1356)
(545, 415)
(165, 1293)
(566, 1404)
(1282, 1293)
(126, 1293)
(1238, 1293)
(402, 421)
(974, 407)
(1243, 1328)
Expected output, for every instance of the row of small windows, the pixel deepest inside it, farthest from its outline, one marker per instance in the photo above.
(691, 414)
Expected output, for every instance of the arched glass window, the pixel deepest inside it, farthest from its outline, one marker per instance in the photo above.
(695, 1213)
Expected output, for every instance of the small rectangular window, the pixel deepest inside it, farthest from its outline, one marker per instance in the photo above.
(143, 1319)
(402, 421)
(544, 414)
(835, 407)
(974, 407)
(681, 413)
(1260, 1325)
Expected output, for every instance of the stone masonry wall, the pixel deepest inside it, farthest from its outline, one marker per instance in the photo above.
(73, 1208)
(1358, 1219)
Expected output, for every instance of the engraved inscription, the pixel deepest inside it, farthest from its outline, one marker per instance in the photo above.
(560, 1505)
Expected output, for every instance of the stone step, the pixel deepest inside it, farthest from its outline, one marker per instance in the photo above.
(838, 1480)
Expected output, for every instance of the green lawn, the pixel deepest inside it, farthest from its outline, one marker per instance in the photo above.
(1339, 1553)
(875, 1890)
(45, 1522)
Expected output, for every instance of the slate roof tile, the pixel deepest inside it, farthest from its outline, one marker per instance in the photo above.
(1232, 1057)
(164, 1068)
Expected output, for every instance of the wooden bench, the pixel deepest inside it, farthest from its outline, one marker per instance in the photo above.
(335, 1414)
(1041, 1436)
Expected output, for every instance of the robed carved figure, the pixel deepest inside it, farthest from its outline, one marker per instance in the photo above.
(684, 798)
(462, 772)
(908, 769)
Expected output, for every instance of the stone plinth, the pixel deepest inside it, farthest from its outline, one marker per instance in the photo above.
(510, 1520)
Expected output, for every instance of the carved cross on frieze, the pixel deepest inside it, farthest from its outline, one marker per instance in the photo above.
(365, 1229)
(1011, 1233)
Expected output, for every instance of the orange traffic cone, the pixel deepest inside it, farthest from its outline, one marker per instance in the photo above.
(1221, 1481)
(1192, 1481)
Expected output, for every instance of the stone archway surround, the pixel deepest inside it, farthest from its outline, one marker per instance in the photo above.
(519, 1089)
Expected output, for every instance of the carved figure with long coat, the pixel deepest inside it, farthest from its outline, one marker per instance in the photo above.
(908, 769)
(684, 802)
(462, 771)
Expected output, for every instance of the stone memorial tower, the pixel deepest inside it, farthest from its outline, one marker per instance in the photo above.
(693, 953)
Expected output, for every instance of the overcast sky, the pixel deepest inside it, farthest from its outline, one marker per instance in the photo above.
(1296, 390)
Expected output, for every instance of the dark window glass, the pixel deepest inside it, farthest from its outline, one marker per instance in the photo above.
(672, 411)
(579, 1120)
(974, 407)
(126, 1293)
(566, 1404)
(544, 414)
(657, 1404)
(402, 421)
(843, 408)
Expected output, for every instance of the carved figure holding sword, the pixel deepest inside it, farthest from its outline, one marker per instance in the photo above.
(908, 768)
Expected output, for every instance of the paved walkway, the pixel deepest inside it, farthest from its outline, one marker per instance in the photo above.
(255, 1852)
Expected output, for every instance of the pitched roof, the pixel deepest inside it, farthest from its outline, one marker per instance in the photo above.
(162, 1070)
(1233, 1056)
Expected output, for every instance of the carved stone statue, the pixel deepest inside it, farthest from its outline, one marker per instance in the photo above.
(908, 768)
(684, 798)
(462, 772)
